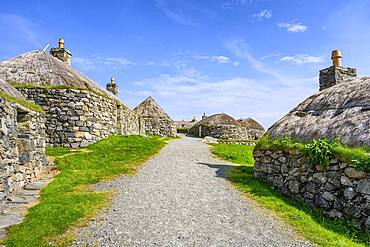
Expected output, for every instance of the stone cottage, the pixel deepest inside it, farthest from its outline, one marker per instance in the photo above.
(183, 126)
(156, 120)
(22, 142)
(341, 109)
(226, 127)
(77, 110)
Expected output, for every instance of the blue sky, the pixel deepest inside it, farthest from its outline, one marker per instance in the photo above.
(247, 58)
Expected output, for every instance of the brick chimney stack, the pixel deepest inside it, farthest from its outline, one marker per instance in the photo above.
(112, 86)
(61, 53)
(336, 73)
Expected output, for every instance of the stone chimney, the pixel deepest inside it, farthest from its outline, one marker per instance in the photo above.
(112, 86)
(204, 116)
(61, 53)
(336, 73)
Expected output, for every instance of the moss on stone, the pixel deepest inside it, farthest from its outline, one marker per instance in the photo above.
(32, 106)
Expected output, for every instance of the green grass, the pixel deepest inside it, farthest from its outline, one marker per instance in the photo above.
(66, 202)
(32, 106)
(239, 154)
(308, 222)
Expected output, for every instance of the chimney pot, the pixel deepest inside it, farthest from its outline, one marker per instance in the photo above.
(61, 53)
(336, 56)
(61, 43)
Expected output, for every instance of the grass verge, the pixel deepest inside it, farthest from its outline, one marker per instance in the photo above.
(66, 202)
(308, 222)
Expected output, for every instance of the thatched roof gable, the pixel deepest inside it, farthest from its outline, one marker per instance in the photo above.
(341, 111)
(150, 108)
(251, 124)
(39, 68)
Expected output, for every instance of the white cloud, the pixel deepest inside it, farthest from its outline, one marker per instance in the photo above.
(98, 62)
(218, 59)
(191, 91)
(228, 4)
(302, 59)
(293, 27)
(241, 49)
(174, 16)
(264, 14)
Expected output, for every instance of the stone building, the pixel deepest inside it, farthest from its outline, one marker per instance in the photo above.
(226, 127)
(184, 126)
(78, 111)
(156, 120)
(341, 109)
(72, 111)
(22, 142)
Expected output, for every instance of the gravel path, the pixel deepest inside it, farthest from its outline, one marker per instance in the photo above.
(180, 198)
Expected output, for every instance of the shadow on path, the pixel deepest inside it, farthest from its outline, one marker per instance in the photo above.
(221, 171)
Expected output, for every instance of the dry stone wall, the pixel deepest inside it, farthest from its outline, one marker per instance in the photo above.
(226, 131)
(159, 126)
(22, 147)
(77, 118)
(339, 191)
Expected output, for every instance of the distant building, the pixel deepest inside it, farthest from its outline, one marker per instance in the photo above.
(156, 120)
(184, 126)
(226, 127)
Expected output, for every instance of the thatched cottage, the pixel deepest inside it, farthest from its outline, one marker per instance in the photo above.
(156, 120)
(78, 111)
(183, 126)
(45, 101)
(340, 110)
(226, 127)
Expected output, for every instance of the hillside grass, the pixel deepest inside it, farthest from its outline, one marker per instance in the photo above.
(66, 201)
(307, 222)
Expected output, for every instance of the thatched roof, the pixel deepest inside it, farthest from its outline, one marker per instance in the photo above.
(184, 124)
(220, 118)
(341, 111)
(150, 108)
(251, 124)
(10, 90)
(41, 69)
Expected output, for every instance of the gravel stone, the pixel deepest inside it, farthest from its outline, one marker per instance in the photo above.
(180, 197)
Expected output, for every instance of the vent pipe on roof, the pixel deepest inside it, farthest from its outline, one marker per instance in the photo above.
(336, 56)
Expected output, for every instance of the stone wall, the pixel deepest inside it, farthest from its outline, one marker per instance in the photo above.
(225, 131)
(77, 118)
(22, 147)
(339, 191)
(334, 75)
(160, 126)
